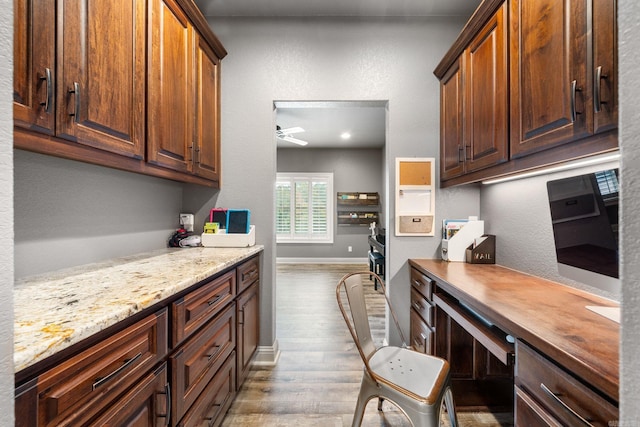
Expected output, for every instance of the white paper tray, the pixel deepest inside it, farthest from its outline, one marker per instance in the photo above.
(233, 240)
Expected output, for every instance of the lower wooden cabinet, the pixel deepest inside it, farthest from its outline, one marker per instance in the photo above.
(555, 394)
(248, 329)
(215, 399)
(138, 373)
(146, 404)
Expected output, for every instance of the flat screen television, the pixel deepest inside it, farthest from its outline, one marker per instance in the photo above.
(584, 215)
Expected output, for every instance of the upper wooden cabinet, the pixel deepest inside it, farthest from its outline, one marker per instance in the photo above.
(101, 72)
(129, 84)
(528, 84)
(34, 65)
(473, 103)
(549, 86)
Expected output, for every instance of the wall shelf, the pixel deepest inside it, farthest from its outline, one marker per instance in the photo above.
(359, 207)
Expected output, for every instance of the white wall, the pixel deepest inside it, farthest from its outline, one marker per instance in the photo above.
(6, 213)
(338, 60)
(629, 89)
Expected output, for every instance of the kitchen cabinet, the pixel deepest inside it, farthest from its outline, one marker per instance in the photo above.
(82, 388)
(473, 103)
(248, 306)
(132, 85)
(34, 65)
(549, 86)
(174, 363)
(526, 85)
(93, 93)
(183, 95)
(552, 393)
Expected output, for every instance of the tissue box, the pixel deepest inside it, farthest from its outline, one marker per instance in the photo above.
(232, 240)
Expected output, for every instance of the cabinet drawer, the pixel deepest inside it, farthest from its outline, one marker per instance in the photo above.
(422, 306)
(248, 273)
(529, 414)
(422, 284)
(197, 307)
(197, 361)
(215, 400)
(146, 404)
(85, 384)
(558, 392)
(421, 334)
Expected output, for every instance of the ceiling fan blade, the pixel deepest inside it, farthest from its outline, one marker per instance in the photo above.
(294, 140)
(296, 129)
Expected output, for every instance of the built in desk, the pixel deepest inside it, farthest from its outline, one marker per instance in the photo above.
(563, 357)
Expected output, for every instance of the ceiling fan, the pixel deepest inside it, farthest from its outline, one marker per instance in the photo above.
(285, 134)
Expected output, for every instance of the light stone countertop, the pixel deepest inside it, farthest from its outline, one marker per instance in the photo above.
(56, 310)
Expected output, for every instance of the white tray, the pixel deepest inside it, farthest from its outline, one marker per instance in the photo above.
(233, 240)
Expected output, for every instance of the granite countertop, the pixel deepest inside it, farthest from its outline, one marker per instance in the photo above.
(56, 310)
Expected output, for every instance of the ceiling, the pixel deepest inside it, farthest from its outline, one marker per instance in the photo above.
(324, 122)
(362, 8)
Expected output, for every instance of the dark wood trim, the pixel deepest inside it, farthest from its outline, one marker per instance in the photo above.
(46, 144)
(597, 144)
(480, 17)
(200, 23)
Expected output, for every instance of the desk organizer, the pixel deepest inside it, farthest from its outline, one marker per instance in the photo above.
(483, 252)
(454, 248)
(229, 240)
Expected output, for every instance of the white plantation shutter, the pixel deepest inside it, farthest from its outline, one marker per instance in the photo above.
(304, 207)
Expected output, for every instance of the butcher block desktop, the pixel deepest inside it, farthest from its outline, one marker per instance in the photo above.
(564, 357)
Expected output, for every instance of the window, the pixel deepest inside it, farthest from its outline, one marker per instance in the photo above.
(304, 208)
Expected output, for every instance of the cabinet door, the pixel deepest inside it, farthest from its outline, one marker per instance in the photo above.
(145, 405)
(101, 74)
(549, 88)
(207, 132)
(485, 99)
(451, 145)
(248, 329)
(605, 66)
(170, 136)
(34, 64)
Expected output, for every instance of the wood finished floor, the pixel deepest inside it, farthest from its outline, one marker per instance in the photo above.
(317, 378)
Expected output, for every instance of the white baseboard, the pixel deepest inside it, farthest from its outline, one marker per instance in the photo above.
(281, 260)
(267, 355)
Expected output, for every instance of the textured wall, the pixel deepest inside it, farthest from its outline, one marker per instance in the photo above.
(517, 212)
(331, 60)
(629, 89)
(70, 213)
(6, 213)
(353, 170)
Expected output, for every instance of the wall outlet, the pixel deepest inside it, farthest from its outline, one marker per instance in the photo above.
(349, 249)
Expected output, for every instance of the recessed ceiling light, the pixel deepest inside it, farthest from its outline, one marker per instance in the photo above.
(345, 135)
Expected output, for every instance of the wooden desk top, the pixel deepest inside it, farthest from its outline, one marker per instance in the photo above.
(549, 316)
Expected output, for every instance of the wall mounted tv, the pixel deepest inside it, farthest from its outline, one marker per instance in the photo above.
(584, 215)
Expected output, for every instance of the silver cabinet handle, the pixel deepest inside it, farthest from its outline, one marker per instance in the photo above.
(574, 89)
(76, 95)
(597, 89)
(216, 349)
(564, 405)
(100, 381)
(460, 151)
(49, 98)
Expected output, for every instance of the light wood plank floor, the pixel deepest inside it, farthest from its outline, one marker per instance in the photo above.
(317, 379)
